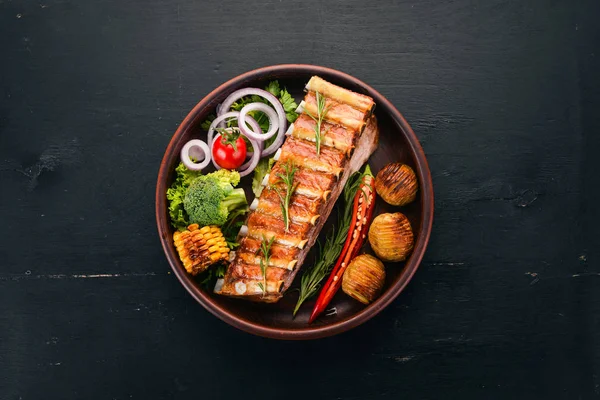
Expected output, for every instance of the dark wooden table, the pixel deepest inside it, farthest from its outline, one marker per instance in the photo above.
(504, 96)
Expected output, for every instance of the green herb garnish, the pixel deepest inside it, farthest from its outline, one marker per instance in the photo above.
(263, 168)
(285, 98)
(229, 136)
(265, 248)
(211, 275)
(287, 178)
(289, 105)
(273, 88)
(334, 243)
(321, 111)
(206, 124)
(232, 227)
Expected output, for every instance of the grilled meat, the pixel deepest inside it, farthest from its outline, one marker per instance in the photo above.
(349, 136)
(334, 136)
(358, 101)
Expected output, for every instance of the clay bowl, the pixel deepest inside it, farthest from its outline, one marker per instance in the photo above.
(397, 143)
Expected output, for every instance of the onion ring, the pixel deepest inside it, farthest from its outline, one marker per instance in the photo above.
(218, 121)
(231, 115)
(276, 145)
(250, 156)
(200, 149)
(238, 94)
(269, 112)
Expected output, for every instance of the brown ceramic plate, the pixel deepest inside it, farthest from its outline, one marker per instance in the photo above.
(397, 143)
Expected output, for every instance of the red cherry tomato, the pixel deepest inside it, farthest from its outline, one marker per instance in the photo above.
(229, 151)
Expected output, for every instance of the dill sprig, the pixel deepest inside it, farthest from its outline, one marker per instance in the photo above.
(265, 248)
(321, 111)
(334, 243)
(287, 178)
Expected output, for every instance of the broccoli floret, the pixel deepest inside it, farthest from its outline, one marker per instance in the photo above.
(227, 176)
(176, 194)
(211, 198)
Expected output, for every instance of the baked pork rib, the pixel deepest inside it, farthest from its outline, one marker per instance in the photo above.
(349, 136)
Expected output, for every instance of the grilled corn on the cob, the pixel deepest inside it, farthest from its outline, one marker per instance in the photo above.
(199, 248)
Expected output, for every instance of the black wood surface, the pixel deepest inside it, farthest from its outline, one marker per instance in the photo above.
(504, 96)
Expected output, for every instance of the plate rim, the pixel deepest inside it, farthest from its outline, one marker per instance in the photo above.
(310, 332)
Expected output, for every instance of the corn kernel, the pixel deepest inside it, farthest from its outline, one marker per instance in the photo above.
(199, 248)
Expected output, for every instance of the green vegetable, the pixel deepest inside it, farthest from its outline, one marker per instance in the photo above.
(273, 88)
(211, 275)
(232, 227)
(289, 105)
(334, 243)
(263, 168)
(206, 124)
(210, 199)
(176, 194)
(285, 98)
(287, 178)
(321, 111)
(265, 248)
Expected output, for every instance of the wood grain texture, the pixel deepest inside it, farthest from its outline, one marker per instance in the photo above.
(503, 96)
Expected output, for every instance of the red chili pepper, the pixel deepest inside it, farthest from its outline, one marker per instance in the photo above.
(362, 214)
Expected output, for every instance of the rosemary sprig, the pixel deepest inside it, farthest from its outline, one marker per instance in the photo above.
(287, 178)
(328, 254)
(321, 111)
(265, 248)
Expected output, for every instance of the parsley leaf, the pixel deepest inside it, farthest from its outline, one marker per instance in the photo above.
(273, 88)
(263, 168)
(289, 105)
(206, 124)
(211, 275)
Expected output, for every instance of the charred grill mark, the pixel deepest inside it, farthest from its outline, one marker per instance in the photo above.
(241, 270)
(337, 113)
(274, 224)
(335, 136)
(301, 209)
(264, 226)
(254, 259)
(252, 246)
(310, 183)
(302, 154)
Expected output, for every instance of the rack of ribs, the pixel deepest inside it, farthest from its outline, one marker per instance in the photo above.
(349, 136)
